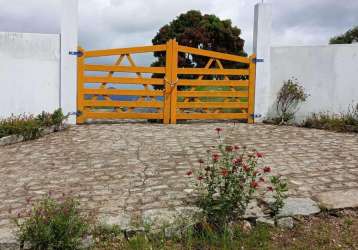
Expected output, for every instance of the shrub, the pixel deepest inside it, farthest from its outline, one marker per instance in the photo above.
(230, 178)
(290, 96)
(30, 127)
(52, 224)
(344, 122)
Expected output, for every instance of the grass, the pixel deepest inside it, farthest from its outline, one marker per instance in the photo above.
(324, 231)
(28, 126)
(344, 122)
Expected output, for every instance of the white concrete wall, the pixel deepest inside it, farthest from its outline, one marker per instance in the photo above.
(29, 73)
(328, 73)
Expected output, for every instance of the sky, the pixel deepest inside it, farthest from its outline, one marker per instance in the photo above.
(126, 23)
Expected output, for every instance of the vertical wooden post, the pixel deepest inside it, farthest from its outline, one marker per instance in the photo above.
(174, 80)
(167, 81)
(80, 118)
(252, 79)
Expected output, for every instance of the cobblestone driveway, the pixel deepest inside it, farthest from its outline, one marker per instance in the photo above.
(138, 168)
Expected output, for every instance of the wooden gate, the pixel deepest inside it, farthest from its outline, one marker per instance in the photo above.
(213, 92)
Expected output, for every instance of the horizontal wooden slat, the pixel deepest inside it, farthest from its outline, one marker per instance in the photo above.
(132, 104)
(121, 51)
(212, 116)
(203, 71)
(117, 115)
(185, 82)
(214, 54)
(212, 105)
(213, 93)
(115, 68)
(122, 92)
(123, 80)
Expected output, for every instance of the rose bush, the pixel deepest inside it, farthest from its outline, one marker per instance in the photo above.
(230, 177)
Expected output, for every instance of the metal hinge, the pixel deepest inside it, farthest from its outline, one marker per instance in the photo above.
(76, 53)
(257, 60)
(255, 115)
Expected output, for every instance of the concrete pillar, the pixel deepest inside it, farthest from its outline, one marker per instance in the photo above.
(262, 47)
(69, 42)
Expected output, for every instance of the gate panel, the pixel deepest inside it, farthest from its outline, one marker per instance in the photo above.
(102, 94)
(215, 92)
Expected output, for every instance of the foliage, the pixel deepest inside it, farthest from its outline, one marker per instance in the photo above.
(53, 224)
(28, 126)
(196, 30)
(229, 179)
(290, 96)
(344, 122)
(350, 36)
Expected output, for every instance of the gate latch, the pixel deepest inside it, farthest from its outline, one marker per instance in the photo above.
(256, 115)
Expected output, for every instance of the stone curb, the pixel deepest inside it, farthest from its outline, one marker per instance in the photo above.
(12, 139)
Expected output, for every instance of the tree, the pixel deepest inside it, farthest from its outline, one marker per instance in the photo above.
(350, 36)
(200, 31)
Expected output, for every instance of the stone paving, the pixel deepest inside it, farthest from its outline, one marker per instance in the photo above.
(134, 170)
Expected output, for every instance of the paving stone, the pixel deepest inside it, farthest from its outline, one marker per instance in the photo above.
(299, 206)
(286, 222)
(338, 199)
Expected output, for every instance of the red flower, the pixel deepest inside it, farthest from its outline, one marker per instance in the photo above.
(259, 155)
(224, 172)
(270, 189)
(201, 161)
(237, 161)
(267, 169)
(229, 148)
(236, 147)
(219, 130)
(254, 184)
(189, 173)
(262, 179)
(200, 178)
(246, 168)
(216, 157)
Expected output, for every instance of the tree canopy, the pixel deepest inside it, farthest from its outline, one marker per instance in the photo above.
(350, 36)
(196, 30)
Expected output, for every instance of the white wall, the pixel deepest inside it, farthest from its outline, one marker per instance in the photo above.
(29, 73)
(328, 73)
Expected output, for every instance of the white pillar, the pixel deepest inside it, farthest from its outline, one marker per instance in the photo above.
(262, 47)
(69, 42)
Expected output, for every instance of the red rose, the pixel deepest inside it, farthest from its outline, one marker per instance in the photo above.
(201, 161)
(189, 173)
(267, 169)
(200, 178)
(270, 189)
(236, 147)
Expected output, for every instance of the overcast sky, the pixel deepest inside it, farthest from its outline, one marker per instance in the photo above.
(123, 23)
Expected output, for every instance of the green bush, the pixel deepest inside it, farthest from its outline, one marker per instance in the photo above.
(344, 122)
(30, 127)
(53, 225)
(290, 96)
(232, 177)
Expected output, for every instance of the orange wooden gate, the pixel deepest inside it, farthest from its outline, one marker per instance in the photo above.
(214, 93)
